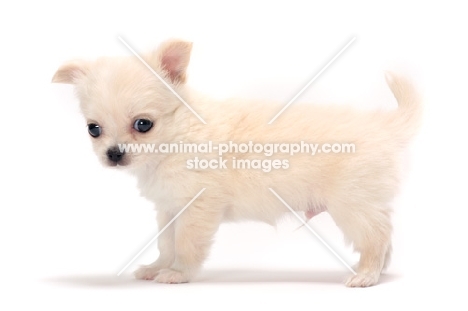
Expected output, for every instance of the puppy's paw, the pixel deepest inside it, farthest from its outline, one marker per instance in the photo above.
(170, 276)
(148, 272)
(362, 280)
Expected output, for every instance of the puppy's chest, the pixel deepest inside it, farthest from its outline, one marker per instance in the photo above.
(161, 191)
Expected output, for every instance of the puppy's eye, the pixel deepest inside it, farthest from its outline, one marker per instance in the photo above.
(142, 125)
(94, 130)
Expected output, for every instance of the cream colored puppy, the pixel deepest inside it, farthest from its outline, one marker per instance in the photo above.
(123, 103)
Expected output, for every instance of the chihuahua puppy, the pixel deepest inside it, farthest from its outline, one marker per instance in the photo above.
(124, 102)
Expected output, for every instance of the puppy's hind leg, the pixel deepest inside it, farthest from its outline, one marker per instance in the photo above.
(368, 227)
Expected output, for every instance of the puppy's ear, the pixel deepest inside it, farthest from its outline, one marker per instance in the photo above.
(69, 72)
(173, 57)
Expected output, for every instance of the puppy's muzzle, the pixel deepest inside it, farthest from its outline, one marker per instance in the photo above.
(115, 156)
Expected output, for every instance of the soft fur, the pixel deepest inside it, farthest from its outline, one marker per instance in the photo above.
(356, 189)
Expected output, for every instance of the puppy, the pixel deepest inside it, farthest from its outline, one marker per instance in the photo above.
(125, 103)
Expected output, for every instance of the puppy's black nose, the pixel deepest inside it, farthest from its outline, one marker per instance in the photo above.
(114, 154)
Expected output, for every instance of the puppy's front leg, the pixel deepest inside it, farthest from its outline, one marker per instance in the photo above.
(166, 249)
(194, 231)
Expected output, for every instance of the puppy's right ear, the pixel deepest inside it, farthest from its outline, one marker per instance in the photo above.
(69, 72)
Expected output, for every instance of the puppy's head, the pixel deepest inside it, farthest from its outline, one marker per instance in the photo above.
(124, 102)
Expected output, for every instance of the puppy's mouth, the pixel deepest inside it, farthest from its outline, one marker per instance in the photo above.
(113, 164)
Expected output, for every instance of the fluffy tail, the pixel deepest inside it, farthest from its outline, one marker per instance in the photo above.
(409, 114)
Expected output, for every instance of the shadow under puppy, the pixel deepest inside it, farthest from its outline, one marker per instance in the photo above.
(125, 103)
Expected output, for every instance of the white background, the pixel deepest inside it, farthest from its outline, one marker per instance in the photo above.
(68, 226)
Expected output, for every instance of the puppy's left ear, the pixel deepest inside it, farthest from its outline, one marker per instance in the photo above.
(173, 57)
(69, 72)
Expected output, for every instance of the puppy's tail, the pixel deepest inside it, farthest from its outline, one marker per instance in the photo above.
(407, 118)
